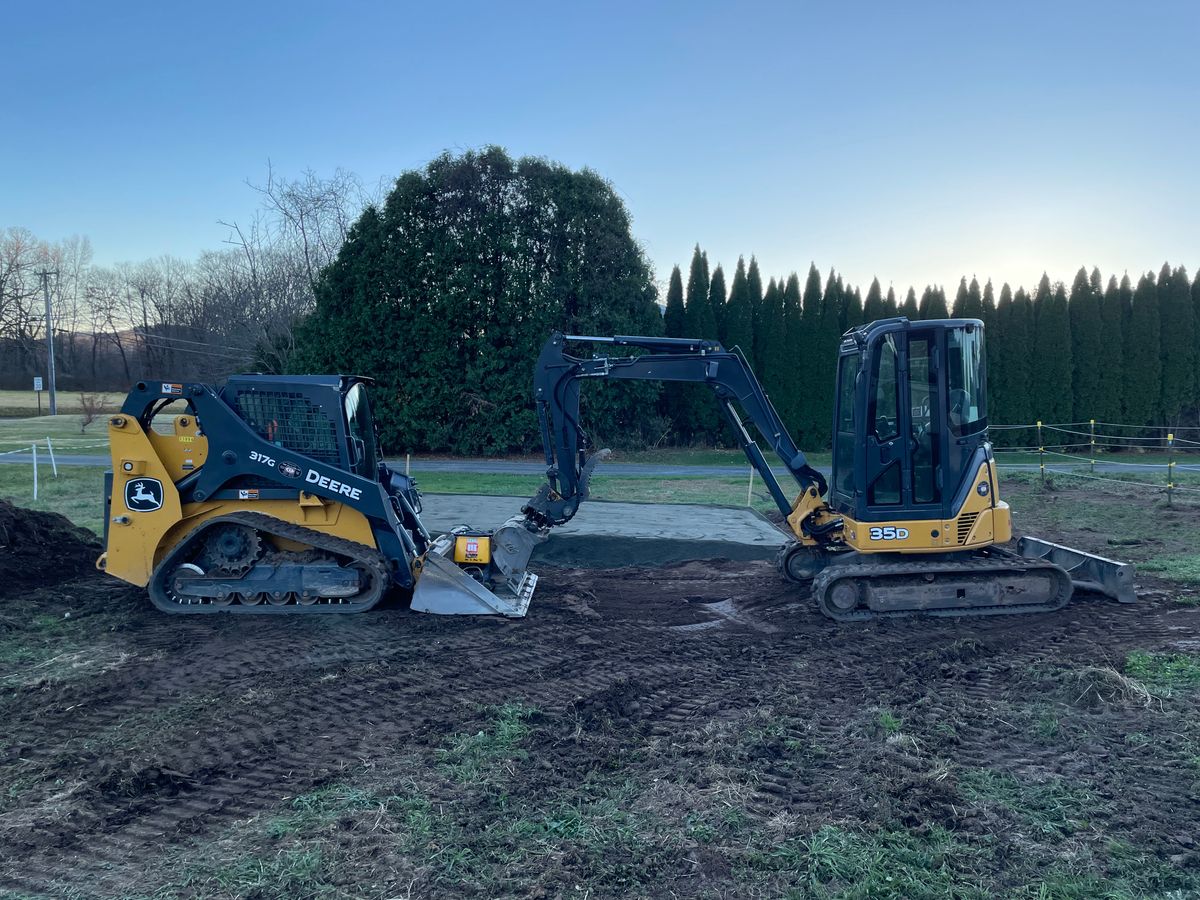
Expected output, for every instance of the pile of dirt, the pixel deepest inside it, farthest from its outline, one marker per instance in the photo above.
(38, 549)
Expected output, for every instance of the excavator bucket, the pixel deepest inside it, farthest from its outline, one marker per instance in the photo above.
(1088, 572)
(503, 587)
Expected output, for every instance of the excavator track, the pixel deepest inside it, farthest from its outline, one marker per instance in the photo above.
(984, 585)
(366, 562)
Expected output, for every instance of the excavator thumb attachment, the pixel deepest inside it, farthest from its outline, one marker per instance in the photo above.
(1088, 571)
(503, 586)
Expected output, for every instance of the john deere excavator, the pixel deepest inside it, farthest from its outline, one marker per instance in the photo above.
(269, 496)
(911, 521)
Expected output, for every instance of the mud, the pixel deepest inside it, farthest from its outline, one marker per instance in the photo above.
(40, 548)
(683, 730)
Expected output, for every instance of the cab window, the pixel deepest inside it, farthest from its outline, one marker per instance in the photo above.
(844, 439)
(361, 427)
(967, 401)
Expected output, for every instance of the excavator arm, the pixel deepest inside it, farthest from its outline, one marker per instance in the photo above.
(569, 465)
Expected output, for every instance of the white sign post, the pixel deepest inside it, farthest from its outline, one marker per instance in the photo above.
(37, 386)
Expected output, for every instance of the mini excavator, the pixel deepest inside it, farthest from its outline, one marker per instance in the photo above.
(269, 496)
(911, 520)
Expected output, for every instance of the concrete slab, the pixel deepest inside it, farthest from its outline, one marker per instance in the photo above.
(605, 534)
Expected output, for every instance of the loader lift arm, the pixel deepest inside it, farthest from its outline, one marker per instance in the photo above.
(556, 394)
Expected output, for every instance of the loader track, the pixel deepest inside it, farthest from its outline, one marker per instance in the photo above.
(858, 580)
(369, 561)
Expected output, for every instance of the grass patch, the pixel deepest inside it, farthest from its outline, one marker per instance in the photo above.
(1177, 567)
(837, 862)
(25, 403)
(1054, 807)
(1164, 671)
(473, 757)
(889, 723)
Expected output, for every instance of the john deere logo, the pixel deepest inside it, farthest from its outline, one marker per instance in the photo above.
(289, 469)
(144, 494)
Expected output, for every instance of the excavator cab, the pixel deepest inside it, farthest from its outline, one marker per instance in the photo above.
(910, 437)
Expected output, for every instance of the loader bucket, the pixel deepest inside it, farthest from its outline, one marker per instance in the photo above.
(445, 589)
(1088, 571)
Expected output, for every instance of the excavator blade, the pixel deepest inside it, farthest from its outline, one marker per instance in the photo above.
(446, 589)
(1088, 572)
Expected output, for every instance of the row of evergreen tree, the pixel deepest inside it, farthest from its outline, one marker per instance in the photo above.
(1111, 351)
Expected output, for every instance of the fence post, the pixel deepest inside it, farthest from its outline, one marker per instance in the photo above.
(1170, 466)
(750, 487)
(1041, 453)
(53, 464)
(1092, 426)
(35, 471)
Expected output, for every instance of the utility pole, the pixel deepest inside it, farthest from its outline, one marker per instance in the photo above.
(49, 338)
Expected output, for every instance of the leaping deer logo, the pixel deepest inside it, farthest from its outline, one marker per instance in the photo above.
(143, 495)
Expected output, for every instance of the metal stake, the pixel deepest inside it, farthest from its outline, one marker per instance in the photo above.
(1041, 453)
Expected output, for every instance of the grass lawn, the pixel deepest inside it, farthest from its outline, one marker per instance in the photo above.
(25, 403)
(65, 430)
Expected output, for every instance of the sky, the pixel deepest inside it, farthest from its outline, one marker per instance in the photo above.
(913, 142)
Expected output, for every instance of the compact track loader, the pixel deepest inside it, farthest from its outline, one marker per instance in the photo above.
(269, 496)
(911, 521)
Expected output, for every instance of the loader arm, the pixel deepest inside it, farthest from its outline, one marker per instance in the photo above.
(557, 380)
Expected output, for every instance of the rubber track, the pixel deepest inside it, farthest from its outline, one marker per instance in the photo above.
(270, 525)
(1001, 566)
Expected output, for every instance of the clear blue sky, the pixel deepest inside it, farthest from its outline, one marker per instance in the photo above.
(916, 142)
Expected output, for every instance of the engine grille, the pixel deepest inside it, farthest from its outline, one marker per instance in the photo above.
(291, 421)
(965, 523)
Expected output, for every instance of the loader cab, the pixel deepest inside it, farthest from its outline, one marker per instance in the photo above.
(910, 419)
(325, 417)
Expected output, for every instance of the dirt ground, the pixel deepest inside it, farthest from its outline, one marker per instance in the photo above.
(694, 730)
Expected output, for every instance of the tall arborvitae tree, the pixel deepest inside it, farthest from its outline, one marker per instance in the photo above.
(1111, 362)
(873, 306)
(997, 350)
(788, 403)
(1178, 343)
(937, 307)
(974, 305)
(1143, 362)
(890, 308)
(910, 310)
(739, 317)
(808, 355)
(1086, 347)
(716, 301)
(774, 364)
(1125, 303)
(754, 290)
(989, 308)
(926, 304)
(852, 309)
(675, 317)
(1052, 354)
(1018, 344)
(696, 416)
(699, 320)
(959, 309)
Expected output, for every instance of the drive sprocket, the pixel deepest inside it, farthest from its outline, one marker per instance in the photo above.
(231, 548)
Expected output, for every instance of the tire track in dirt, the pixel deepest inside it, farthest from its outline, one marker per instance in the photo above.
(323, 695)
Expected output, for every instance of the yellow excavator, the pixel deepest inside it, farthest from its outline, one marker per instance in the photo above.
(911, 520)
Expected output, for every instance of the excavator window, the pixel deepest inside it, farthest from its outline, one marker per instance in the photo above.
(845, 439)
(968, 401)
(922, 388)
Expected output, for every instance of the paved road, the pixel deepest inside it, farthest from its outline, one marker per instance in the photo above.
(646, 470)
